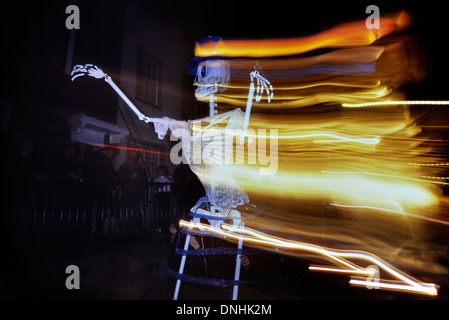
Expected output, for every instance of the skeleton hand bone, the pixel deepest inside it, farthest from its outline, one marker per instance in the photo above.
(89, 69)
(262, 84)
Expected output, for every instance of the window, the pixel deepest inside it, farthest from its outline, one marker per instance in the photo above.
(148, 79)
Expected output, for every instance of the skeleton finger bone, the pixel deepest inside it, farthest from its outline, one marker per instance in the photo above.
(262, 85)
(77, 68)
(258, 90)
(266, 85)
(269, 89)
(78, 71)
(89, 69)
(78, 75)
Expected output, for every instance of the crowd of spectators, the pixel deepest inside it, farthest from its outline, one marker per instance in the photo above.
(65, 182)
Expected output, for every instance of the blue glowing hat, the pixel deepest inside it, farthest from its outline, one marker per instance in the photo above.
(193, 64)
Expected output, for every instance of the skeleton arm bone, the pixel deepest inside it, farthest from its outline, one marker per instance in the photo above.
(249, 104)
(95, 72)
(139, 114)
(160, 124)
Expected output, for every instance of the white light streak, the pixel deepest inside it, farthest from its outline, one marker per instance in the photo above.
(337, 256)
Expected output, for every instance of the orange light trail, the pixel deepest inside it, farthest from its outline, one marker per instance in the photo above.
(349, 34)
(351, 162)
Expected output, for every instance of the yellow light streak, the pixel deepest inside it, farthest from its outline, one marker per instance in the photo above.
(339, 257)
(396, 103)
(304, 99)
(336, 137)
(438, 178)
(390, 176)
(352, 160)
(374, 174)
(428, 164)
(296, 86)
(375, 190)
(413, 215)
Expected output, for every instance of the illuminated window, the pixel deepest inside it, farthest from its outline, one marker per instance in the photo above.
(148, 79)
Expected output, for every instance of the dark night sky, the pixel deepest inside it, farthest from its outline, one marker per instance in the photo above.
(263, 19)
(279, 19)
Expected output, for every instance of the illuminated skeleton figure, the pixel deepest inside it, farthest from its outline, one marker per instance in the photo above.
(223, 195)
(212, 77)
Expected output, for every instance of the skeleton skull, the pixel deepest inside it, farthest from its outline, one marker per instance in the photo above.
(212, 76)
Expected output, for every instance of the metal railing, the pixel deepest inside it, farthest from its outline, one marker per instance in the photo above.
(115, 221)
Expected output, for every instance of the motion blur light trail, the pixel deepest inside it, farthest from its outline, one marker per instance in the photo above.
(338, 257)
(349, 76)
(393, 211)
(395, 103)
(358, 181)
(350, 34)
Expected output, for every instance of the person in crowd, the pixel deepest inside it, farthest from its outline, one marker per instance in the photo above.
(100, 182)
(26, 177)
(65, 179)
(162, 196)
(187, 189)
(164, 179)
(131, 180)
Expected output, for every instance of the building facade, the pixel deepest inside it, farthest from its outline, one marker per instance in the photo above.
(143, 45)
(157, 46)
